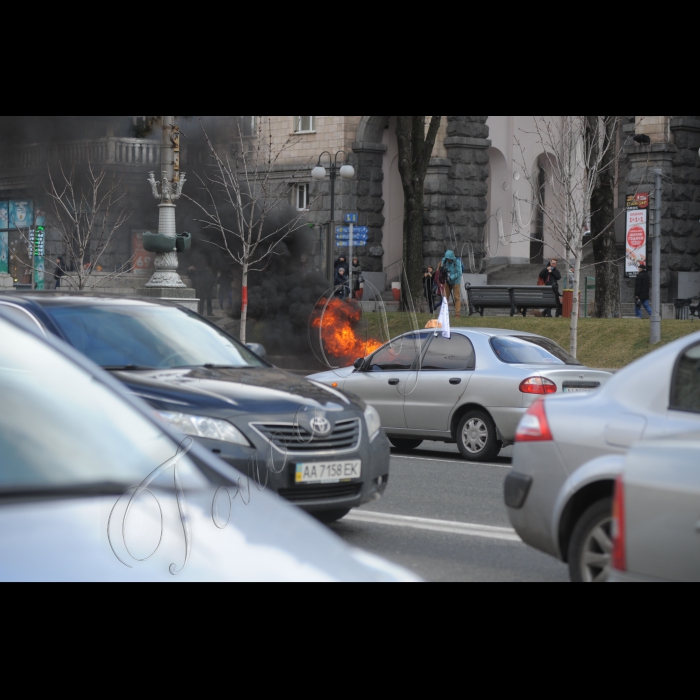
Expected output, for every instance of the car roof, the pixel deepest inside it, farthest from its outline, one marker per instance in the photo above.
(81, 299)
(488, 332)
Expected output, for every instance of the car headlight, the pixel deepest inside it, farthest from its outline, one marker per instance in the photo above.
(204, 427)
(374, 423)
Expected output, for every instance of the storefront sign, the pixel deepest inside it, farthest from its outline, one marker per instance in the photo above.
(636, 232)
(4, 238)
(4, 244)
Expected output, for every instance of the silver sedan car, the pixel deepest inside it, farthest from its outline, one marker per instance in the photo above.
(655, 511)
(471, 388)
(559, 494)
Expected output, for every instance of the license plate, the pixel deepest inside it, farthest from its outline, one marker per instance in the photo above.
(571, 389)
(328, 472)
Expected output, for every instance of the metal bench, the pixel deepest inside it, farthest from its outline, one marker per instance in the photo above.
(517, 298)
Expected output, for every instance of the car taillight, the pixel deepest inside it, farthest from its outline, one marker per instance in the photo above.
(538, 385)
(533, 426)
(619, 558)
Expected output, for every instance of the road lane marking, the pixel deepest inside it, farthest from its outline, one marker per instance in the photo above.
(450, 526)
(455, 461)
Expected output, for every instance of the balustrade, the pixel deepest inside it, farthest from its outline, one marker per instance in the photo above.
(108, 151)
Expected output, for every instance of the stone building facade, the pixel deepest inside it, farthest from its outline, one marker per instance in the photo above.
(475, 189)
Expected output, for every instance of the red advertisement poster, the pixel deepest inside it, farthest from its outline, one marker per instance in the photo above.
(143, 260)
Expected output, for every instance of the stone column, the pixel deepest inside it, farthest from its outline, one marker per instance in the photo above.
(456, 189)
(370, 202)
(677, 156)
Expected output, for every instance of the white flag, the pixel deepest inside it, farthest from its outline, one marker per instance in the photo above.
(444, 318)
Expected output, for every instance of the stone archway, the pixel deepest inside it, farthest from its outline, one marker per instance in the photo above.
(371, 130)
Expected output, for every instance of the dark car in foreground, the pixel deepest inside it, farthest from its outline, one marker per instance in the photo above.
(313, 445)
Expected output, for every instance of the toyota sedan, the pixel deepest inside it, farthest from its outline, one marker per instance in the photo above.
(311, 444)
(471, 388)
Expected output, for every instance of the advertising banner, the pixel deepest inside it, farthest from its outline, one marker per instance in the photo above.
(636, 232)
(21, 213)
(635, 241)
(142, 260)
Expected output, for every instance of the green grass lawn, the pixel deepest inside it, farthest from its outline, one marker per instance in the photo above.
(602, 342)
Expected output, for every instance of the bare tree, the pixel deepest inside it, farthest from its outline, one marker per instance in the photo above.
(415, 149)
(247, 202)
(577, 151)
(87, 214)
(607, 275)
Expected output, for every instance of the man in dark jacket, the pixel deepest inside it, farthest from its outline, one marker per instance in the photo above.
(341, 282)
(207, 281)
(59, 271)
(641, 291)
(551, 276)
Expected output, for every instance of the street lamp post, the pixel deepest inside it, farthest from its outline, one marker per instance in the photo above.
(347, 172)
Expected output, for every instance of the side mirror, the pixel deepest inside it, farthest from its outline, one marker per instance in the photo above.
(258, 349)
(359, 363)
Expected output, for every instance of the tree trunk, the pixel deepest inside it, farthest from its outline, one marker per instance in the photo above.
(244, 303)
(607, 280)
(415, 149)
(573, 327)
(413, 245)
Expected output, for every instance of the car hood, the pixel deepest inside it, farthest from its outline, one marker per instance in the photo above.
(262, 390)
(265, 540)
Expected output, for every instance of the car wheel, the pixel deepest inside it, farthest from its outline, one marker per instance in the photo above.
(330, 516)
(476, 437)
(590, 547)
(405, 443)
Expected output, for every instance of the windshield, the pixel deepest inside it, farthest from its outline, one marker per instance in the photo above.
(61, 428)
(156, 337)
(530, 350)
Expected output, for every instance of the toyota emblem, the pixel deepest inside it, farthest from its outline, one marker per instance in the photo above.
(320, 426)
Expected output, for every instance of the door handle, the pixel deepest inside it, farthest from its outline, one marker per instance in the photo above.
(394, 382)
(455, 380)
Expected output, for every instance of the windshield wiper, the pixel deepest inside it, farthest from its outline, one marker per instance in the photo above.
(63, 490)
(128, 368)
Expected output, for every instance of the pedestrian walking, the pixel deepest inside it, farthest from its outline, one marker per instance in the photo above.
(224, 281)
(641, 291)
(207, 281)
(59, 271)
(356, 275)
(452, 279)
(429, 287)
(341, 283)
(550, 277)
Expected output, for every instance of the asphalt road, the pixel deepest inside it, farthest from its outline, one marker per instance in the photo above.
(444, 519)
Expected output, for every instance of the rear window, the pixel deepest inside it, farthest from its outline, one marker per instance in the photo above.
(530, 350)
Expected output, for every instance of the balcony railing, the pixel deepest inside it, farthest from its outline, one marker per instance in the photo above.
(109, 151)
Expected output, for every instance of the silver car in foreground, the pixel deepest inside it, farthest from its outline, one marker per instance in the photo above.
(656, 512)
(94, 487)
(471, 388)
(559, 494)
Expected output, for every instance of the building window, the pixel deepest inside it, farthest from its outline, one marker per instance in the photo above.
(247, 126)
(304, 125)
(301, 197)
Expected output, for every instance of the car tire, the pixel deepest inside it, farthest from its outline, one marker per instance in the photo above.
(590, 547)
(476, 437)
(331, 516)
(405, 443)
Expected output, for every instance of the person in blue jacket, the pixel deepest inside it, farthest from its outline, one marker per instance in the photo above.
(453, 282)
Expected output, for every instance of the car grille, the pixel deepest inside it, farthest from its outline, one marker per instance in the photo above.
(310, 492)
(291, 438)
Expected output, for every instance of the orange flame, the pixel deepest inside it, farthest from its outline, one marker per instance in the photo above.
(337, 325)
